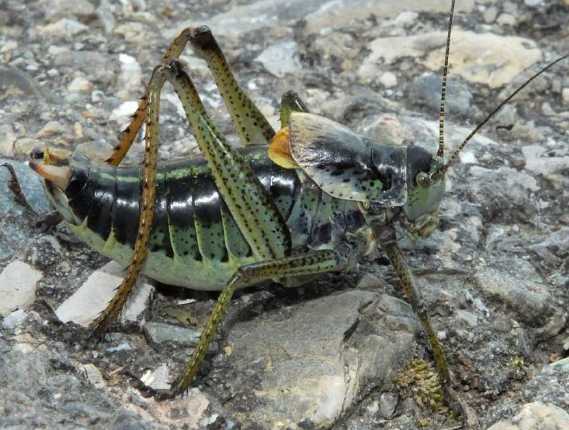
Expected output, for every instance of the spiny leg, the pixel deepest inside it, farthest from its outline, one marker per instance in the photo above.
(147, 204)
(128, 135)
(251, 124)
(307, 264)
(251, 207)
(388, 240)
(256, 215)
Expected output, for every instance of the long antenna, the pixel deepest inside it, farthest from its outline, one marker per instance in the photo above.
(441, 171)
(441, 150)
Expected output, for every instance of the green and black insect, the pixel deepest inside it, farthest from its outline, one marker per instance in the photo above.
(307, 199)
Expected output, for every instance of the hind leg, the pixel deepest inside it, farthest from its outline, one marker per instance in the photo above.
(251, 124)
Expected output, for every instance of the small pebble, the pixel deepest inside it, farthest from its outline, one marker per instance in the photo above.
(14, 319)
(124, 111)
(160, 332)
(64, 28)
(388, 80)
(92, 297)
(18, 282)
(80, 85)
(158, 378)
(565, 96)
(52, 128)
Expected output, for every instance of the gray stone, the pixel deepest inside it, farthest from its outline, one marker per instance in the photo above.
(105, 14)
(530, 300)
(39, 390)
(539, 161)
(550, 385)
(505, 188)
(18, 283)
(490, 14)
(93, 375)
(426, 89)
(536, 416)
(159, 333)
(15, 229)
(387, 404)
(280, 59)
(22, 82)
(7, 140)
(319, 14)
(312, 361)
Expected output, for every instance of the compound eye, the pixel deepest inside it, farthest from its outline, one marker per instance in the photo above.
(423, 179)
(37, 154)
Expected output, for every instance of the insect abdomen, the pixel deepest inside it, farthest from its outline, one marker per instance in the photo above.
(194, 240)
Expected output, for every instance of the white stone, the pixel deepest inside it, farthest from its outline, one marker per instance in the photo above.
(63, 28)
(93, 374)
(406, 18)
(281, 59)
(506, 19)
(14, 319)
(158, 378)
(468, 158)
(536, 416)
(388, 80)
(483, 58)
(92, 297)
(18, 282)
(565, 95)
(130, 77)
(80, 85)
(124, 111)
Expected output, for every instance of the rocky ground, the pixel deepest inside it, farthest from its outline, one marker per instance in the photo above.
(344, 352)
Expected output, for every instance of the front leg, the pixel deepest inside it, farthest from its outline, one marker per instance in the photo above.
(388, 240)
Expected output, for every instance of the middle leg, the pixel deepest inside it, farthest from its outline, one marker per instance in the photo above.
(307, 264)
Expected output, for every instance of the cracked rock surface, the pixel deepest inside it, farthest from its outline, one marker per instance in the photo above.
(333, 353)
